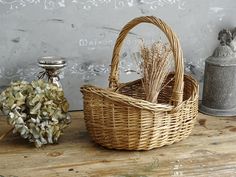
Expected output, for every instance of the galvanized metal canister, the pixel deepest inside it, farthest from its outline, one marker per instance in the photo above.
(219, 91)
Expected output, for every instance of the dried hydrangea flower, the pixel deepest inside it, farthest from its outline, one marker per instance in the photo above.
(38, 110)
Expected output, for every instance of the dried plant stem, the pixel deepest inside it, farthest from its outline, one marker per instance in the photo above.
(155, 67)
(5, 134)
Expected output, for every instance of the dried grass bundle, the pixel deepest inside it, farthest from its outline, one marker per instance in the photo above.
(155, 67)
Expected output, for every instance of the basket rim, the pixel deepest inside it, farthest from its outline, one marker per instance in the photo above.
(139, 103)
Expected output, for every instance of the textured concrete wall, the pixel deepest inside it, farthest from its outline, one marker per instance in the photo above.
(84, 31)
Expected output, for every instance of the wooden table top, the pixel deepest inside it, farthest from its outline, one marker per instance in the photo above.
(209, 151)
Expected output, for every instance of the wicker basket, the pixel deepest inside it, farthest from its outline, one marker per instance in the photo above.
(120, 118)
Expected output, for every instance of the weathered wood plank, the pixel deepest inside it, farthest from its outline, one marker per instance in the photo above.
(209, 151)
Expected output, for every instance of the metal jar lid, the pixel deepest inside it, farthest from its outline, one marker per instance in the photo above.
(52, 61)
(225, 54)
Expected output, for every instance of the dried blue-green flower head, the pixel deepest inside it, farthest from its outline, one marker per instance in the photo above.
(38, 110)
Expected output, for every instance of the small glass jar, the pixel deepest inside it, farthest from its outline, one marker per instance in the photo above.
(52, 66)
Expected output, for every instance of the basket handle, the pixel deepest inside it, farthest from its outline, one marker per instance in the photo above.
(177, 94)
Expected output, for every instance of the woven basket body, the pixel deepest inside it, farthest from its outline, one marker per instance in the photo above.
(120, 118)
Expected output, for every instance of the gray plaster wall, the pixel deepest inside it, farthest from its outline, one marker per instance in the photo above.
(84, 32)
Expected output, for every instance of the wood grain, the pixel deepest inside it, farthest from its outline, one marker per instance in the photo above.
(209, 151)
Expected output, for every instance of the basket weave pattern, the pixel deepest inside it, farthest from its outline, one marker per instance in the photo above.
(120, 118)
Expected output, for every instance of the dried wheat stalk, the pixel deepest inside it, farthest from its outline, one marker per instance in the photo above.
(155, 67)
